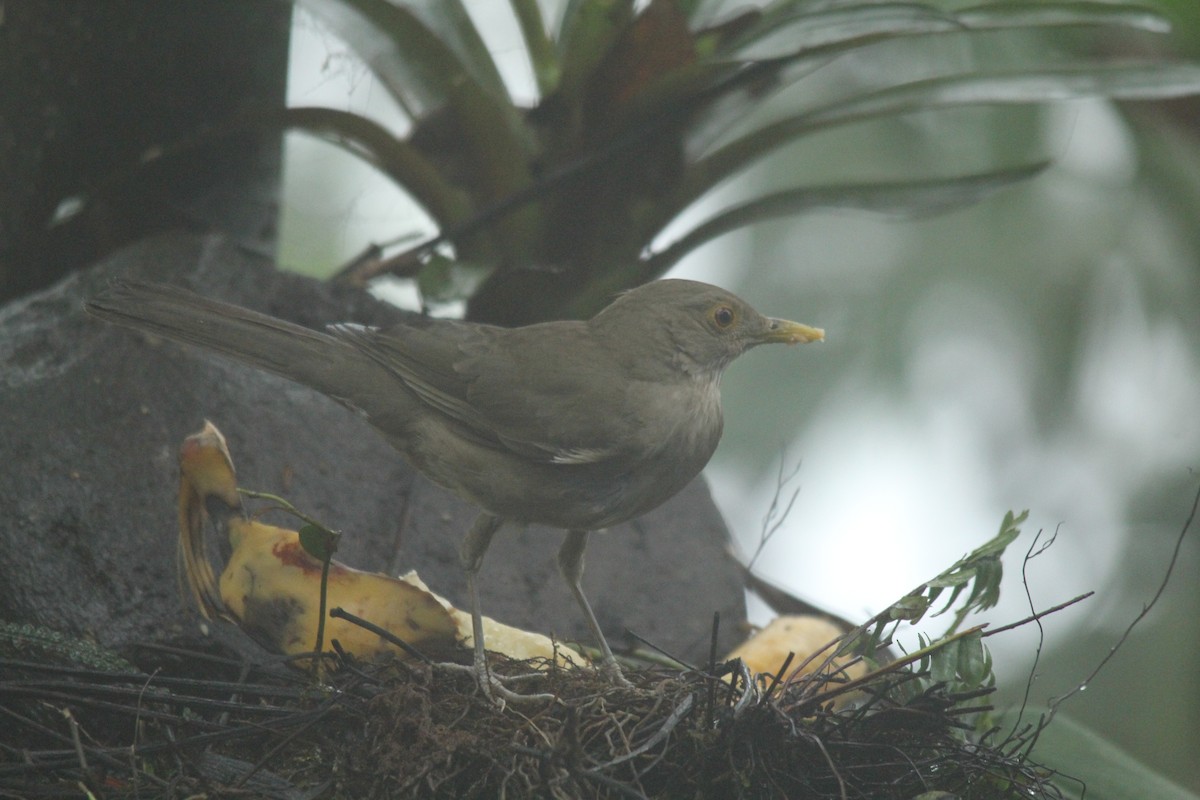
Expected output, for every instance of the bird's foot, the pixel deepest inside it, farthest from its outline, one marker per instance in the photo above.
(494, 690)
(496, 687)
(611, 670)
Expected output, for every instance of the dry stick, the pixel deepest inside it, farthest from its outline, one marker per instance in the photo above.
(1030, 554)
(711, 694)
(48, 732)
(1038, 615)
(773, 519)
(834, 651)
(681, 710)
(615, 785)
(895, 666)
(386, 635)
(778, 676)
(829, 760)
(749, 694)
(75, 741)
(317, 716)
(675, 659)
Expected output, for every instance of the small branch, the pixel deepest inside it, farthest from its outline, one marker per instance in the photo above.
(676, 716)
(1037, 616)
(773, 519)
(383, 633)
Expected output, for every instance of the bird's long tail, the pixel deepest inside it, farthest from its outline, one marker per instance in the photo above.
(310, 357)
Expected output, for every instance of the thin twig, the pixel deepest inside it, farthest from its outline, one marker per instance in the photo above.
(773, 519)
(1057, 702)
(1037, 616)
(681, 710)
(341, 613)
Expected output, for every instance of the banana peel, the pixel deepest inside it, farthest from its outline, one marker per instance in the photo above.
(270, 586)
(810, 638)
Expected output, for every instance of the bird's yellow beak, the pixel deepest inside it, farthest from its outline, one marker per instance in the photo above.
(788, 332)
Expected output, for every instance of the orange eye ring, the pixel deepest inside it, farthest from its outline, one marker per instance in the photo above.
(723, 317)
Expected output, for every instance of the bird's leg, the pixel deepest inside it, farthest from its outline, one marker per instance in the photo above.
(570, 564)
(470, 556)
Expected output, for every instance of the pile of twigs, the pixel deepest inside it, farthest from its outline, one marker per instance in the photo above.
(183, 723)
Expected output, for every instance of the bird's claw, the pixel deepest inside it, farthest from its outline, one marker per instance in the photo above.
(494, 688)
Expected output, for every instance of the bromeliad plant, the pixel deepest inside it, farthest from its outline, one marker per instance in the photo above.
(645, 108)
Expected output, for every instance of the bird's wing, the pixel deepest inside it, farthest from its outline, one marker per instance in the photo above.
(422, 355)
(551, 392)
(515, 389)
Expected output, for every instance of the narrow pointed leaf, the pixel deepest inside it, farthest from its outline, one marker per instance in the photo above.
(425, 75)
(791, 38)
(543, 57)
(905, 199)
(414, 66)
(589, 29)
(450, 22)
(1101, 770)
(396, 158)
(1054, 15)
(1154, 81)
(799, 32)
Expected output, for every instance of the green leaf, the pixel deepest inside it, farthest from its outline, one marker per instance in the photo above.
(450, 22)
(414, 65)
(910, 608)
(543, 57)
(1009, 530)
(445, 280)
(587, 32)
(395, 158)
(797, 32)
(1110, 773)
(318, 542)
(974, 661)
(1055, 15)
(425, 75)
(1121, 82)
(982, 570)
(901, 199)
(418, 50)
(955, 578)
(943, 662)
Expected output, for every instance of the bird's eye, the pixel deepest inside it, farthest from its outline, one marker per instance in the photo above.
(723, 317)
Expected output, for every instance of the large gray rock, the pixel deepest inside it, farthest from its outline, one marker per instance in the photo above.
(93, 416)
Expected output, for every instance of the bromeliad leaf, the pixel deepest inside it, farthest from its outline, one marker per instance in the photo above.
(899, 199)
(643, 108)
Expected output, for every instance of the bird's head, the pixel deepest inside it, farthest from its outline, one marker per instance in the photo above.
(697, 327)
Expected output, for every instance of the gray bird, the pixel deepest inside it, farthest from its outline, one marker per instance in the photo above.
(574, 425)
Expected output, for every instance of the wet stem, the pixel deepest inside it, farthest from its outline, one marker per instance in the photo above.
(320, 542)
(318, 661)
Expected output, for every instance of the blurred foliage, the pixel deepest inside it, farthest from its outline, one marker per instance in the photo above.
(1092, 767)
(549, 208)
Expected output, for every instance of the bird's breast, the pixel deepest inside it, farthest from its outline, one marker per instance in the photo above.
(680, 425)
